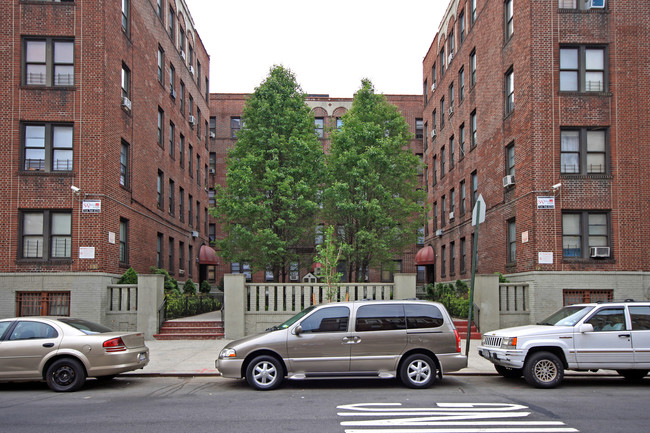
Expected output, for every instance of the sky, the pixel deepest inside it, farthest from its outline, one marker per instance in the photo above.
(329, 45)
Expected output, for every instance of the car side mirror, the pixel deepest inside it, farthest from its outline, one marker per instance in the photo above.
(297, 330)
(586, 327)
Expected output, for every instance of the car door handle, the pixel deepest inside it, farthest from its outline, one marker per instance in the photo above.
(48, 344)
(624, 335)
(351, 340)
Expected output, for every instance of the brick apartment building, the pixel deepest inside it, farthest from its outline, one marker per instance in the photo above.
(104, 126)
(539, 106)
(225, 121)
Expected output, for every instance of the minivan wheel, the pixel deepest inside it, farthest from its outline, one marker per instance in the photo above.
(632, 375)
(418, 371)
(543, 370)
(264, 373)
(65, 375)
(509, 373)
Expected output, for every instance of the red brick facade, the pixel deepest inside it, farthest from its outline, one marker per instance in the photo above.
(534, 125)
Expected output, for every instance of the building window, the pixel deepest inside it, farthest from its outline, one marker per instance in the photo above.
(510, 159)
(572, 296)
(242, 268)
(126, 11)
(181, 151)
(49, 62)
(443, 211)
(213, 126)
(159, 251)
(474, 186)
(182, 97)
(161, 59)
(46, 235)
(433, 78)
(472, 7)
(319, 126)
(461, 84)
(462, 198)
(452, 203)
(190, 219)
(509, 27)
(198, 169)
(582, 69)
(181, 258)
(451, 99)
(181, 204)
(472, 123)
(510, 91)
(159, 190)
(461, 141)
(198, 215)
(419, 129)
(124, 165)
(452, 258)
(189, 160)
(420, 236)
(472, 68)
(171, 196)
(512, 241)
(425, 91)
(124, 241)
(461, 28)
(434, 119)
(442, 113)
(452, 152)
(443, 261)
(450, 44)
(435, 215)
(161, 134)
(435, 170)
(388, 271)
(159, 9)
(198, 123)
(190, 256)
(583, 230)
(172, 134)
(47, 147)
(172, 81)
(583, 151)
(339, 123)
(442, 161)
(463, 256)
(171, 21)
(581, 4)
(170, 254)
(442, 62)
(320, 230)
(42, 304)
(235, 126)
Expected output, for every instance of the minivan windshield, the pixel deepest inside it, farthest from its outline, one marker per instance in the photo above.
(293, 320)
(567, 316)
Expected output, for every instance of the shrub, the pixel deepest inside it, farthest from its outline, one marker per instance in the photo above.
(129, 277)
(205, 287)
(171, 285)
(189, 288)
(178, 305)
(453, 297)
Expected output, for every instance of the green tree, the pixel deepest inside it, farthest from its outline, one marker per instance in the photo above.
(274, 174)
(328, 255)
(372, 183)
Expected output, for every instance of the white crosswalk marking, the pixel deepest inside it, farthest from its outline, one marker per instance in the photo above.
(450, 417)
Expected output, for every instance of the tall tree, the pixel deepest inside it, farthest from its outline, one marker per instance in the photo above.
(274, 175)
(372, 190)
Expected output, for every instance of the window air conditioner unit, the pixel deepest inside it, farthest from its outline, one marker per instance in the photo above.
(126, 103)
(508, 180)
(183, 55)
(212, 171)
(172, 93)
(433, 133)
(181, 272)
(293, 277)
(451, 215)
(192, 120)
(191, 69)
(433, 87)
(195, 234)
(213, 135)
(451, 57)
(599, 252)
(439, 232)
(451, 110)
(597, 4)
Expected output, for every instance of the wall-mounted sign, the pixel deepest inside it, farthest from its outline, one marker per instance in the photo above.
(545, 258)
(91, 206)
(545, 202)
(86, 252)
(524, 237)
(111, 237)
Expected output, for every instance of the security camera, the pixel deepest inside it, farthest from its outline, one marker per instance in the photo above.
(74, 188)
(557, 186)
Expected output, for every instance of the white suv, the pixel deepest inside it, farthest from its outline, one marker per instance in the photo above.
(613, 335)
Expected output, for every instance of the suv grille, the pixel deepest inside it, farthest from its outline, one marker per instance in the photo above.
(492, 341)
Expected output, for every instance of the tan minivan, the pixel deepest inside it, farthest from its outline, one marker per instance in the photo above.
(413, 340)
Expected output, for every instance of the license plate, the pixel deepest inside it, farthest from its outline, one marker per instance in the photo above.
(142, 357)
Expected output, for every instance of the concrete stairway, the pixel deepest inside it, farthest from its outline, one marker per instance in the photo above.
(461, 326)
(191, 330)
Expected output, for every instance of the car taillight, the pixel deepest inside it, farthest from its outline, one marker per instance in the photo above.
(114, 345)
(457, 341)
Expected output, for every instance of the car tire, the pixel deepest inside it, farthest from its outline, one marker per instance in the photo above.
(509, 373)
(264, 373)
(418, 371)
(65, 375)
(633, 375)
(543, 370)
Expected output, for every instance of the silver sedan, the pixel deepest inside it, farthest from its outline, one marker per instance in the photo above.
(64, 351)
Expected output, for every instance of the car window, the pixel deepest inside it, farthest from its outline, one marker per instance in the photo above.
(608, 319)
(3, 328)
(380, 318)
(329, 319)
(86, 326)
(423, 316)
(640, 317)
(33, 330)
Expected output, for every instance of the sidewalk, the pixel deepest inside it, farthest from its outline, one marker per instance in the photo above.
(196, 357)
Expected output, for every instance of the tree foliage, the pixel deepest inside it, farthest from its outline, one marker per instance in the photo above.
(372, 190)
(274, 174)
(328, 255)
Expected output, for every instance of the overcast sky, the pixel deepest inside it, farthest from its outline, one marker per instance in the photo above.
(329, 45)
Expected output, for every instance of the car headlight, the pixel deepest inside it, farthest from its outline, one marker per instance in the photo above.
(509, 343)
(228, 353)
